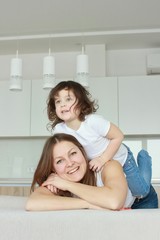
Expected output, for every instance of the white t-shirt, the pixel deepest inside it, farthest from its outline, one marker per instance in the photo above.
(129, 199)
(92, 136)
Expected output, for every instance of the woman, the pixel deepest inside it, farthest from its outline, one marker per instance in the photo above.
(66, 182)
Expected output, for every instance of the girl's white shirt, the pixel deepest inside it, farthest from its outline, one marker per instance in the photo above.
(92, 136)
(129, 199)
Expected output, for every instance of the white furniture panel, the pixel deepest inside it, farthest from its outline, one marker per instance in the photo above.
(134, 145)
(105, 91)
(153, 148)
(19, 157)
(14, 110)
(139, 104)
(39, 117)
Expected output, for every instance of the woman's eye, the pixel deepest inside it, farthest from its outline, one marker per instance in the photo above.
(59, 161)
(73, 153)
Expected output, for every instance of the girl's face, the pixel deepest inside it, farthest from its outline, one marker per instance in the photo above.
(69, 162)
(65, 103)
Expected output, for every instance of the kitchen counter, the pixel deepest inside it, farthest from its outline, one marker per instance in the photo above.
(15, 181)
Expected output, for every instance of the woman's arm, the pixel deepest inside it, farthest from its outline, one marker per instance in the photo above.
(43, 200)
(111, 196)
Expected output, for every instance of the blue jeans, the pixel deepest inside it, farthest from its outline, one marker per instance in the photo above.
(138, 175)
(150, 201)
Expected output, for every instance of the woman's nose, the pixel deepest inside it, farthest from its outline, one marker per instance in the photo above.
(69, 162)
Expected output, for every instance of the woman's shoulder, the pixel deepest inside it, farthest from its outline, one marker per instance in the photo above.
(108, 171)
(112, 169)
(112, 164)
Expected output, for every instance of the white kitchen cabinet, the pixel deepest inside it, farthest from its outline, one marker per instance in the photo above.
(132, 103)
(104, 89)
(14, 110)
(139, 104)
(39, 117)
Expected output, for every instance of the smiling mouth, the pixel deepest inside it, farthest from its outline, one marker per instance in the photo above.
(73, 170)
(65, 111)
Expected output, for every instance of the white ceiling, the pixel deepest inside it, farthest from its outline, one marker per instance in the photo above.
(63, 25)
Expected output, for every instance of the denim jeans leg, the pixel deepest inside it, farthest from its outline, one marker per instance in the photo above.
(144, 162)
(150, 201)
(136, 181)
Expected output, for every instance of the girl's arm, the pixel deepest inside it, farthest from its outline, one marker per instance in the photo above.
(43, 200)
(111, 196)
(116, 137)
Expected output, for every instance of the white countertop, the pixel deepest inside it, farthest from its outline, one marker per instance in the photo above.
(15, 181)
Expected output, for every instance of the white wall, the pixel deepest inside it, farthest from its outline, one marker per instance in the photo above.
(101, 63)
(65, 64)
(127, 62)
(32, 67)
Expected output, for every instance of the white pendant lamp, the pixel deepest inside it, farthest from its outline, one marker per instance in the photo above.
(16, 74)
(48, 72)
(82, 72)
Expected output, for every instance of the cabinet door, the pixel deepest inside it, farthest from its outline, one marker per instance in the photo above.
(14, 110)
(39, 117)
(139, 104)
(105, 91)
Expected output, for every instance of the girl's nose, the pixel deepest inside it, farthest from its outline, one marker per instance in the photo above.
(63, 104)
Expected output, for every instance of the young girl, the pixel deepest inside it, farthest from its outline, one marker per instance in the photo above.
(71, 110)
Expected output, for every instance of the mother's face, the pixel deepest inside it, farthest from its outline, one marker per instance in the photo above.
(69, 162)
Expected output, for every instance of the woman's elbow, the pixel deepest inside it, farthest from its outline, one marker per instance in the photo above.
(122, 137)
(29, 205)
(116, 204)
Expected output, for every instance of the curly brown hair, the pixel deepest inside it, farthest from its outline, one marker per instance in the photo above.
(84, 104)
(45, 165)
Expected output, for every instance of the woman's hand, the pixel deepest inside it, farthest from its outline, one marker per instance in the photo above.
(54, 183)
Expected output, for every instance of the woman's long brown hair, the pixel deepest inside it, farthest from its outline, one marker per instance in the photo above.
(45, 165)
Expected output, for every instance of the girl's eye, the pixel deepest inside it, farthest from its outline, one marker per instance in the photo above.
(68, 99)
(57, 101)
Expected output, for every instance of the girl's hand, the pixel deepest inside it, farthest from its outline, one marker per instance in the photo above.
(96, 164)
